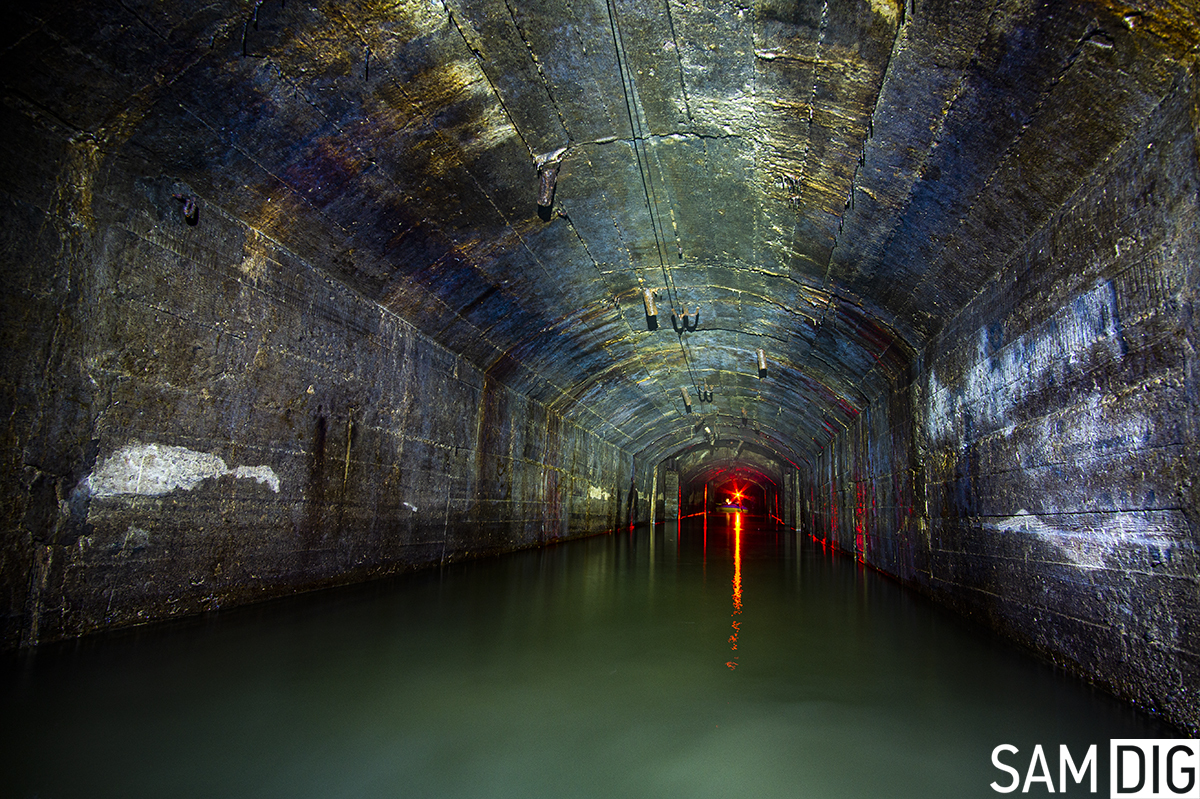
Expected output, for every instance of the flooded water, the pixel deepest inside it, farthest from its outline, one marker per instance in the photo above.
(723, 659)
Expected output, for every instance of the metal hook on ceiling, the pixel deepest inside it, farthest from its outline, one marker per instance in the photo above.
(191, 209)
(547, 168)
(683, 322)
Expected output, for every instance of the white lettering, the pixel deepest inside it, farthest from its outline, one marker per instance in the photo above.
(1038, 759)
(1065, 762)
(1154, 768)
(1183, 787)
(1016, 777)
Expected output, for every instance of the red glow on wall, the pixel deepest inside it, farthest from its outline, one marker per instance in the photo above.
(860, 517)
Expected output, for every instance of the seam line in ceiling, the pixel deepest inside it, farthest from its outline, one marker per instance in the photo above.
(639, 145)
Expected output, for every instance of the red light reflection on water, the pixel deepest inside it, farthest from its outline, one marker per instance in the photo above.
(737, 587)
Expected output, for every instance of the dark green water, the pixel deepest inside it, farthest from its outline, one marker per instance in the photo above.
(604, 667)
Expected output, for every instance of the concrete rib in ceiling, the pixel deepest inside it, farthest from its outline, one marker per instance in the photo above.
(828, 181)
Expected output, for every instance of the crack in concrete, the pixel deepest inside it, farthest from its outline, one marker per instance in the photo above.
(617, 300)
(142, 20)
(897, 46)
(812, 99)
(541, 73)
(428, 295)
(657, 137)
(479, 187)
(525, 245)
(1010, 153)
(218, 130)
(632, 105)
(739, 331)
(480, 60)
(632, 335)
(938, 133)
(565, 215)
(687, 106)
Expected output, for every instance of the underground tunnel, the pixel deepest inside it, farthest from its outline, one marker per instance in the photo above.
(312, 295)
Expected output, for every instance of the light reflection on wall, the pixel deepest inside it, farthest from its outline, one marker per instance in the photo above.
(737, 587)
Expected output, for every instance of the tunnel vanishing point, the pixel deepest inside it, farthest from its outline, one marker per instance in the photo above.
(299, 293)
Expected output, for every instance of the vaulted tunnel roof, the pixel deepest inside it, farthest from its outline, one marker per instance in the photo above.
(733, 459)
(829, 182)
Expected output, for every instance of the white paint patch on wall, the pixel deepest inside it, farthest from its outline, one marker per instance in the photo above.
(1082, 437)
(1079, 334)
(153, 470)
(1087, 547)
(1084, 549)
(595, 492)
(263, 474)
(1091, 428)
(135, 538)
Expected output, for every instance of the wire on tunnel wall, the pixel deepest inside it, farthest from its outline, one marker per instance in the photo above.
(637, 130)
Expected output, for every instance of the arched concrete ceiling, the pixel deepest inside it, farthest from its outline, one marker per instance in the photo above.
(734, 459)
(827, 181)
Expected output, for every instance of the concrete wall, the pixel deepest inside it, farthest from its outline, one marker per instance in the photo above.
(196, 417)
(1036, 471)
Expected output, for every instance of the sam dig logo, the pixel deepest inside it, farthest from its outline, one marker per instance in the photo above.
(1138, 768)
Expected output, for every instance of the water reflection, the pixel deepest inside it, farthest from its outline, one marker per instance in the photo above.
(597, 668)
(737, 587)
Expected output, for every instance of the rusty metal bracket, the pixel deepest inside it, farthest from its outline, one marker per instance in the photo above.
(191, 208)
(683, 322)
